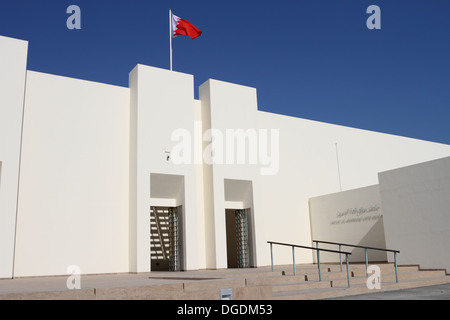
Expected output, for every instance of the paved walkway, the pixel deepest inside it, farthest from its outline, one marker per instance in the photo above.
(439, 292)
(59, 283)
(195, 279)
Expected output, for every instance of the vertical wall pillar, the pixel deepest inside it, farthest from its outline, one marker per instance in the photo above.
(161, 108)
(13, 61)
(229, 110)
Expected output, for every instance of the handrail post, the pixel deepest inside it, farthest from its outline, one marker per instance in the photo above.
(271, 256)
(271, 243)
(318, 261)
(293, 258)
(396, 269)
(348, 271)
(340, 257)
(367, 263)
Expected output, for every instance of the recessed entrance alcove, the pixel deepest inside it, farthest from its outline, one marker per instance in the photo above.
(167, 239)
(239, 223)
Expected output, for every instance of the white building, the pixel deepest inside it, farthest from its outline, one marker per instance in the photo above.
(99, 176)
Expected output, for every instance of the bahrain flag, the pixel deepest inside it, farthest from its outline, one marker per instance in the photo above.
(181, 27)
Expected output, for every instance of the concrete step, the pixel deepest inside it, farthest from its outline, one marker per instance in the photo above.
(312, 275)
(362, 289)
(302, 269)
(274, 280)
(359, 269)
(299, 286)
(386, 272)
(311, 294)
(341, 289)
(334, 282)
(390, 278)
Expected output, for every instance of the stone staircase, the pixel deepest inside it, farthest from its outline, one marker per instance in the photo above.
(306, 285)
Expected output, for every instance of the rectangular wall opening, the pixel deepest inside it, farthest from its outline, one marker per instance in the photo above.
(239, 223)
(166, 245)
(238, 245)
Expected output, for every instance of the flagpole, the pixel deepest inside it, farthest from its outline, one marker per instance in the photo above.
(171, 36)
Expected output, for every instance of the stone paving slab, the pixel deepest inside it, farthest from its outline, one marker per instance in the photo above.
(438, 292)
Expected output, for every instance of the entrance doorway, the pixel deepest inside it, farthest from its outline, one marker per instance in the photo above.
(166, 245)
(238, 247)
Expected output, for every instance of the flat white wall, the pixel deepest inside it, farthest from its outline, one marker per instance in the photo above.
(13, 62)
(351, 217)
(416, 205)
(73, 197)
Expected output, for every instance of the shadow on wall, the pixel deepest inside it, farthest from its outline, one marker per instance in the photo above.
(376, 232)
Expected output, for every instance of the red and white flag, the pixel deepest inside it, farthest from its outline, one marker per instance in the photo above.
(181, 27)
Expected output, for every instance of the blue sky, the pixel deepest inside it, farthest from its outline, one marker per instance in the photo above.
(313, 59)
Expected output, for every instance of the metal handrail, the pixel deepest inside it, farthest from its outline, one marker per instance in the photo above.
(310, 248)
(340, 244)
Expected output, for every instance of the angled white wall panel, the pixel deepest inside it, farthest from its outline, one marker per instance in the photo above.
(416, 202)
(13, 61)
